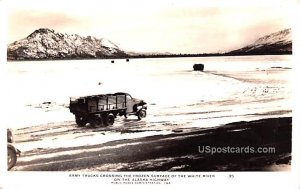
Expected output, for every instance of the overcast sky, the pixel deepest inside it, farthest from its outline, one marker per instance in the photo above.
(174, 26)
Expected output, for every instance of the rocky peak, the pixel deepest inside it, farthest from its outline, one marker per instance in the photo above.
(41, 31)
(45, 43)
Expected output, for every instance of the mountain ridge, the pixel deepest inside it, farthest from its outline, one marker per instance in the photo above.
(275, 43)
(45, 43)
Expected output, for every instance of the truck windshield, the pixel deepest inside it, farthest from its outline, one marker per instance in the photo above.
(128, 97)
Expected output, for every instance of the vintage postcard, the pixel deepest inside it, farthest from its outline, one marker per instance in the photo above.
(149, 93)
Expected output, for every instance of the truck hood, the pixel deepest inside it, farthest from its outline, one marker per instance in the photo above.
(140, 101)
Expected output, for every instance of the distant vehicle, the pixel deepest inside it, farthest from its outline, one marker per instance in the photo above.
(12, 152)
(102, 109)
(198, 67)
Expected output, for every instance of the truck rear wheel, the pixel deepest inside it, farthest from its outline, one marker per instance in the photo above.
(142, 114)
(109, 120)
(97, 121)
(80, 121)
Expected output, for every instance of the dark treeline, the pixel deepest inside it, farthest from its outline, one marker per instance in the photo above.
(237, 53)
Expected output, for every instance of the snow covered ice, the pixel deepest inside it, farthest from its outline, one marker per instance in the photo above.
(228, 86)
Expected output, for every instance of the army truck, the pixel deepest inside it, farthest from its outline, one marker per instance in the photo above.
(101, 110)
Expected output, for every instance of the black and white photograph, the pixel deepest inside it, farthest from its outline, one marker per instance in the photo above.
(139, 91)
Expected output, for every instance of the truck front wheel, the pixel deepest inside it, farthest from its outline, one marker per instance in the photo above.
(142, 114)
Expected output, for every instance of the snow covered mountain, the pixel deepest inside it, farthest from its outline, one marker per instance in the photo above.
(275, 43)
(47, 44)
